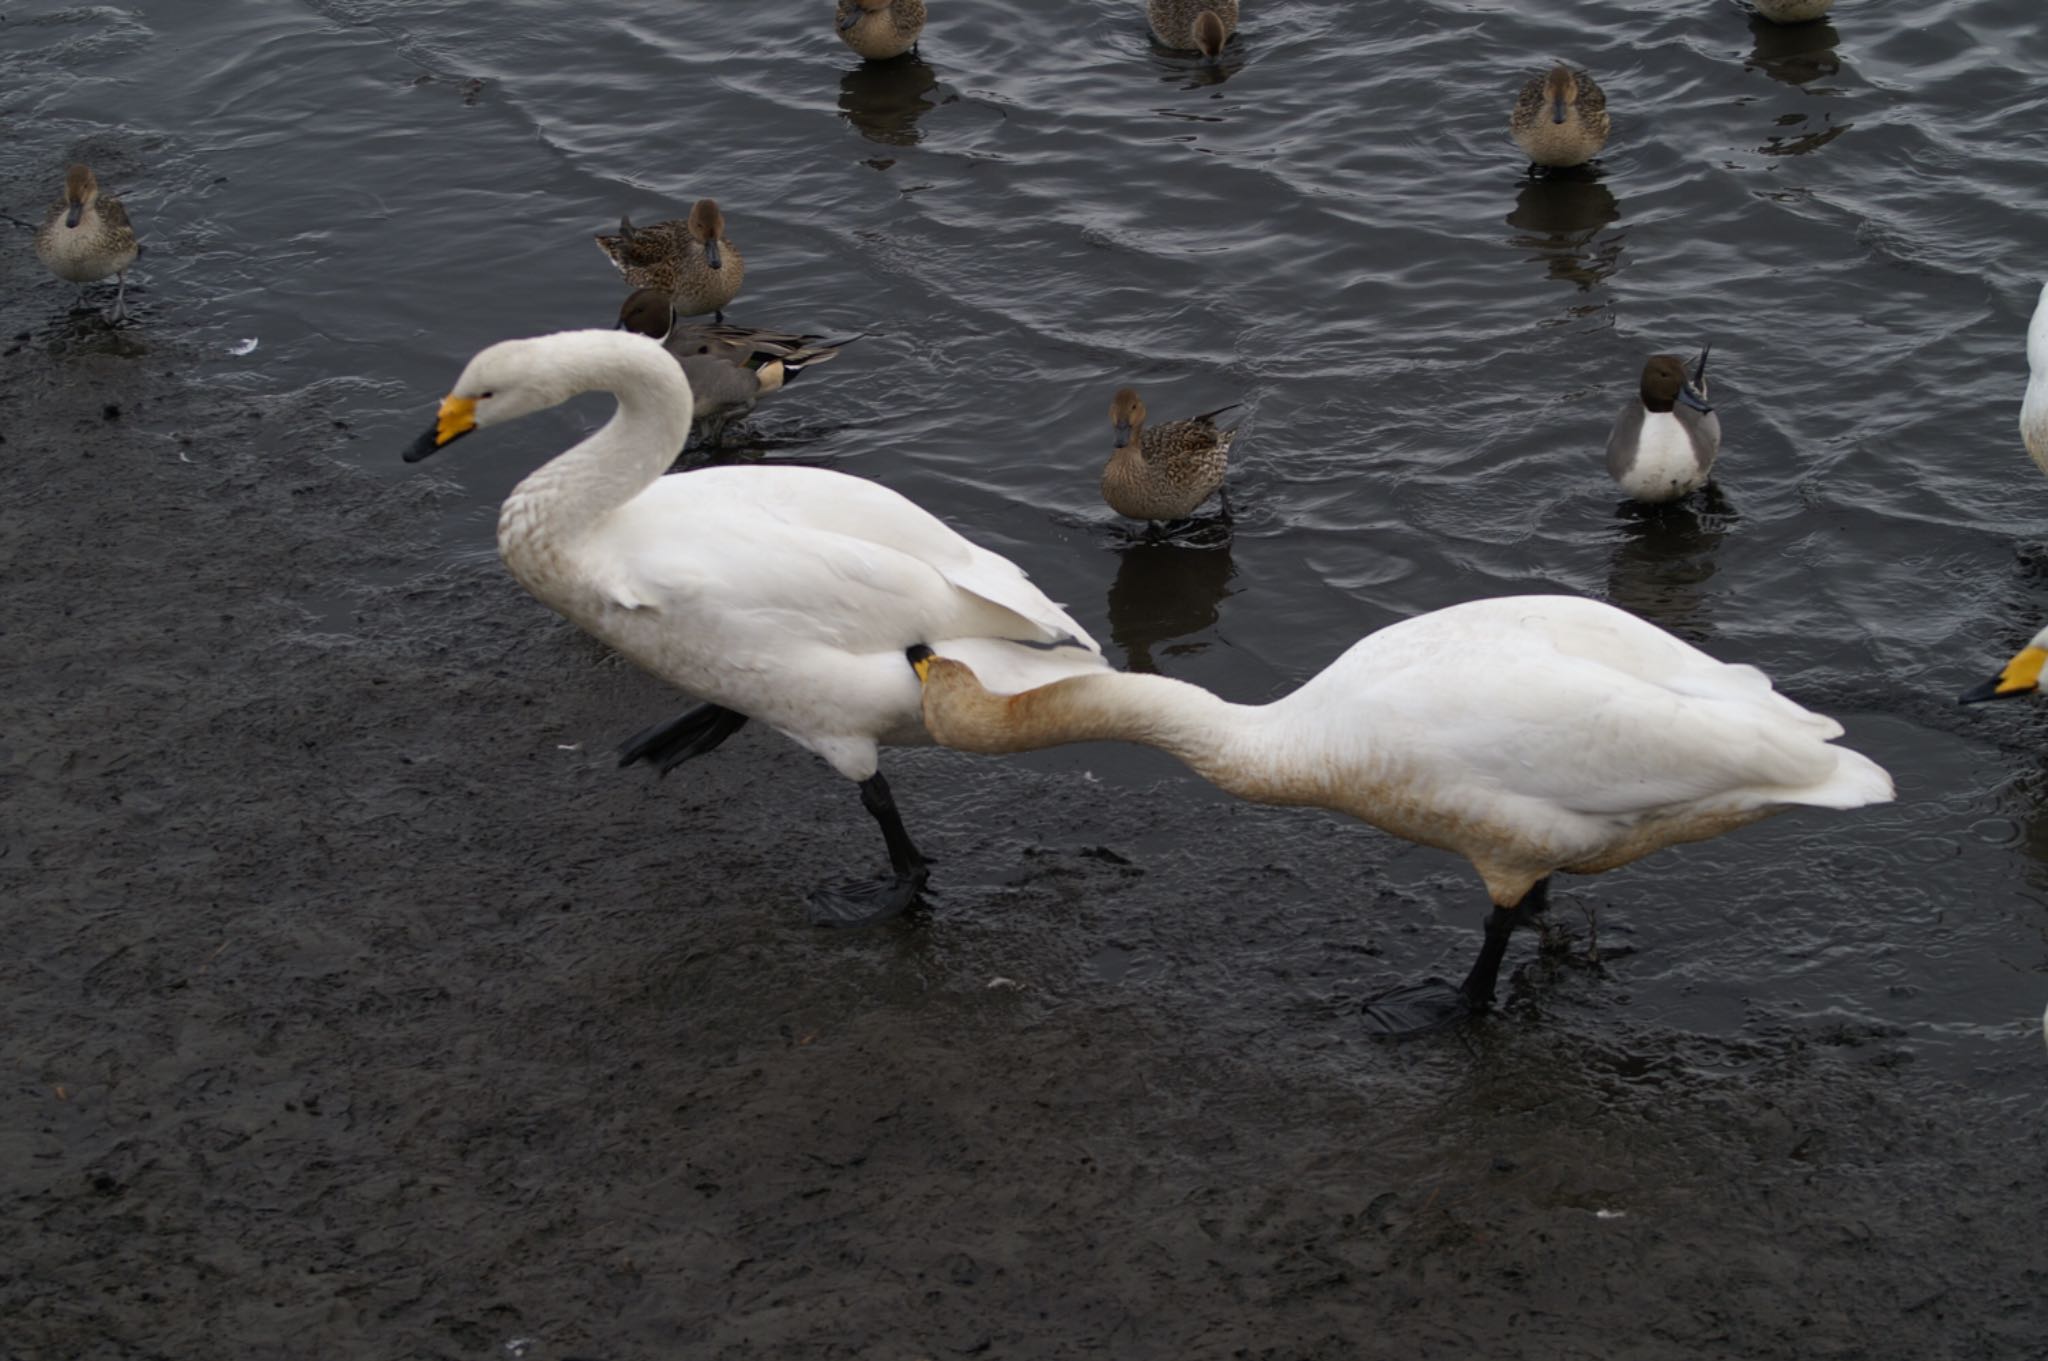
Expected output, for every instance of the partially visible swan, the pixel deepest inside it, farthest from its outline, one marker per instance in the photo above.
(2034, 410)
(2019, 677)
(782, 594)
(1560, 118)
(1529, 734)
(86, 237)
(1663, 443)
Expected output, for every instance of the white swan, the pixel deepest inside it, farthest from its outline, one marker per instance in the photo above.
(1528, 734)
(2034, 410)
(781, 594)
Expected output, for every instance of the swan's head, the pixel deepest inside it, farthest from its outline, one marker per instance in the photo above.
(1127, 414)
(1209, 34)
(1665, 386)
(1561, 92)
(515, 378)
(707, 229)
(648, 312)
(2021, 676)
(80, 189)
(952, 701)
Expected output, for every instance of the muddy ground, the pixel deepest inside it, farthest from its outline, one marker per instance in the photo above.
(355, 1005)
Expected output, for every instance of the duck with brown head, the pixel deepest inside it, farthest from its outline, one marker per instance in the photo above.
(1664, 442)
(689, 259)
(1165, 472)
(1193, 25)
(86, 237)
(1560, 119)
(1528, 734)
(879, 29)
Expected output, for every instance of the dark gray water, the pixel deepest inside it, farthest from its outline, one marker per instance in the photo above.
(1332, 228)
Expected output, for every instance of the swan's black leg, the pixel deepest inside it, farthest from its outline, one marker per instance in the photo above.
(876, 900)
(1418, 1008)
(667, 745)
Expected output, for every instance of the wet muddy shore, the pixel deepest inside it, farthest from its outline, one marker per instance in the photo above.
(356, 1006)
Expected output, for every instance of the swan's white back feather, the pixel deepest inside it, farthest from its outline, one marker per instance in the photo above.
(2034, 410)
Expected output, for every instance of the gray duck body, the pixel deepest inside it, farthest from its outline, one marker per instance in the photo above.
(699, 269)
(730, 368)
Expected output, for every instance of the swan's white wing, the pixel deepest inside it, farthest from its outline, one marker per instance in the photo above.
(837, 503)
(1588, 709)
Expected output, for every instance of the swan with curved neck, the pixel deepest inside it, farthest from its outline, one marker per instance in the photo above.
(1529, 734)
(781, 594)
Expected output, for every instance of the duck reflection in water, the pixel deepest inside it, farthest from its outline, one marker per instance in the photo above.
(1793, 54)
(1558, 217)
(1665, 558)
(884, 99)
(1169, 588)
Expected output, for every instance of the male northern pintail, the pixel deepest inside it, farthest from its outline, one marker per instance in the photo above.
(880, 29)
(87, 238)
(1663, 443)
(1201, 25)
(730, 368)
(1560, 118)
(1165, 472)
(2034, 410)
(1792, 11)
(689, 259)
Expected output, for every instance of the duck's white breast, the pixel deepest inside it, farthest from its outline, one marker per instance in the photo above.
(1666, 465)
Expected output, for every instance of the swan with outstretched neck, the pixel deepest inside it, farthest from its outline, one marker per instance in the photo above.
(781, 594)
(1529, 734)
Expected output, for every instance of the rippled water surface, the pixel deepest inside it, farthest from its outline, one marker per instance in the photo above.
(1331, 227)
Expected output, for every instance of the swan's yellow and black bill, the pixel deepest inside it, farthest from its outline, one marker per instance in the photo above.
(2022, 676)
(920, 661)
(457, 418)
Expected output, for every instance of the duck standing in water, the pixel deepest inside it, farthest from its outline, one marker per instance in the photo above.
(880, 29)
(780, 594)
(1200, 25)
(730, 368)
(689, 259)
(1663, 443)
(1529, 734)
(1166, 472)
(1792, 11)
(87, 238)
(1560, 119)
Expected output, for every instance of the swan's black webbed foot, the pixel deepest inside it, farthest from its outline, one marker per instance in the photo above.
(868, 902)
(667, 745)
(876, 900)
(1417, 1009)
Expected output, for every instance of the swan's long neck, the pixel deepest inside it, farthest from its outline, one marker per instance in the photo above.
(574, 491)
(1241, 748)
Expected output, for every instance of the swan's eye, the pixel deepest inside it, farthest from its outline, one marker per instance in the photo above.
(481, 395)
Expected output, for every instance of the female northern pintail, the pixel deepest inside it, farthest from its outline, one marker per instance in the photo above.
(2034, 410)
(1792, 11)
(880, 29)
(688, 259)
(1663, 443)
(86, 237)
(1203, 25)
(1166, 472)
(1560, 118)
(730, 368)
